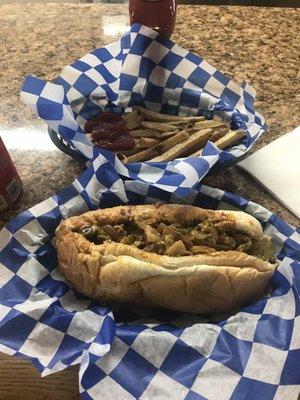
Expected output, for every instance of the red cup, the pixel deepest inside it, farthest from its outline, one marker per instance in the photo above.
(10, 182)
(159, 15)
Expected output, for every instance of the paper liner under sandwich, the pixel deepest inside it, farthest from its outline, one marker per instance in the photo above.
(136, 353)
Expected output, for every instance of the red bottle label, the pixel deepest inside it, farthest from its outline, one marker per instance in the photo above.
(10, 183)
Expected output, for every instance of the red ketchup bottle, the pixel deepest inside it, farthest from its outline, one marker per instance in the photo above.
(156, 14)
(10, 183)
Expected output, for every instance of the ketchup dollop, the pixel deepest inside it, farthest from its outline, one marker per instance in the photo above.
(109, 131)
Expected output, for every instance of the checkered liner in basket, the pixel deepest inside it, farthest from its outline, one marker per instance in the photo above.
(133, 353)
(144, 68)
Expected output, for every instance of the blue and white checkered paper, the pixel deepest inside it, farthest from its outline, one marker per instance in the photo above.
(134, 353)
(144, 68)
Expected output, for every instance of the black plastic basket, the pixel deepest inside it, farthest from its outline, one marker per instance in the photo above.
(64, 146)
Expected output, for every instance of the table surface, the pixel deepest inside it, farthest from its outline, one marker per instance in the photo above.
(254, 44)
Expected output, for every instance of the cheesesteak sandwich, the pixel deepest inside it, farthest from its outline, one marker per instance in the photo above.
(175, 256)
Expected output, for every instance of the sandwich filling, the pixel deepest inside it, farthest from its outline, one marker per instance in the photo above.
(177, 240)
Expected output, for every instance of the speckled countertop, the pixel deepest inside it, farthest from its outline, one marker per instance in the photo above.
(255, 44)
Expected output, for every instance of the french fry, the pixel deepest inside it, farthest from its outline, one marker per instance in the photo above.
(184, 124)
(196, 126)
(133, 115)
(231, 138)
(167, 135)
(158, 126)
(212, 123)
(127, 153)
(134, 123)
(158, 149)
(121, 156)
(192, 143)
(218, 133)
(228, 140)
(145, 143)
(158, 117)
(145, 133)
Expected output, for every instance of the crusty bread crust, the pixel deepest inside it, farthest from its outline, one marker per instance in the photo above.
(215, 282)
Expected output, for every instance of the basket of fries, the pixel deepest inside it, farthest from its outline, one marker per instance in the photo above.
(179, 113)
(161, 137)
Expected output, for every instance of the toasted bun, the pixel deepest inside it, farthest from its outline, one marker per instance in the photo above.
(215, 282)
